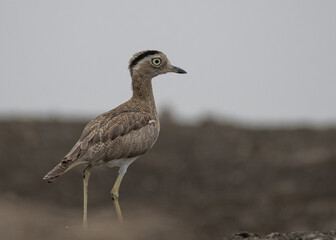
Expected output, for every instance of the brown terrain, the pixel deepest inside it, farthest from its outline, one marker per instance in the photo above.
(205, 181)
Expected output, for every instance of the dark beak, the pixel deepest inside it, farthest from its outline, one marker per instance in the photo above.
(177, 70)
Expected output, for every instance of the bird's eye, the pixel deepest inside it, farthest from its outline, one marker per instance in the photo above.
(156, 62)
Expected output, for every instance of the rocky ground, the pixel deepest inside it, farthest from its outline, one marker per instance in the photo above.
(284, 236)
(198, 182)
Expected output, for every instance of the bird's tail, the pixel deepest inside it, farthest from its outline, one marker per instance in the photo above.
(60, 169)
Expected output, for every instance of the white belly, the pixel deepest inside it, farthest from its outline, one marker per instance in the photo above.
(122, 163)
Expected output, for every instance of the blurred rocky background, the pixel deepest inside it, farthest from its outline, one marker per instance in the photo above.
(202, 181)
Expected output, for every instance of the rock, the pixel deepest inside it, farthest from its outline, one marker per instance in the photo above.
(284, 236)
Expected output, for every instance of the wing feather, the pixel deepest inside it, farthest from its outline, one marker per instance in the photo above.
(102, 133)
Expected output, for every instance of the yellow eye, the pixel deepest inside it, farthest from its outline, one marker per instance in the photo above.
(156, 62)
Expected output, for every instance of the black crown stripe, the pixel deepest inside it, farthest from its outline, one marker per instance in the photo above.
(142, 56)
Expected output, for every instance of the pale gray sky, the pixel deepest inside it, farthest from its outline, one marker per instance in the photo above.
(255, 61)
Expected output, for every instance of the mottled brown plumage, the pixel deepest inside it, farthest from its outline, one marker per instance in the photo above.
(125, 132)
(119, 136)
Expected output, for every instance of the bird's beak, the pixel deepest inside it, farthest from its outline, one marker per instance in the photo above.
(177, 70)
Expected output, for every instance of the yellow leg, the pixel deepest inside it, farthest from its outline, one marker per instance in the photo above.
(86, 193)
(115, 195)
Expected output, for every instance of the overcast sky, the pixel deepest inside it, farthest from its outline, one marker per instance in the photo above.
(253, 61)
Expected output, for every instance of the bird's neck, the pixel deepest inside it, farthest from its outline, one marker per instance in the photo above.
(143, 93)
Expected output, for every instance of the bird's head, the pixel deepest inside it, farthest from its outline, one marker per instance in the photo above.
(151, 63)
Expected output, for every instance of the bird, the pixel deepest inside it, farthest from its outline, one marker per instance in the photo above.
(118, 137)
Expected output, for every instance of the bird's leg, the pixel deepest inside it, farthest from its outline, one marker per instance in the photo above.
(115, 189)
(115, 195)
(86, 193)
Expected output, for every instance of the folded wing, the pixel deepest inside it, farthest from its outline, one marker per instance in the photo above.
(108, 137)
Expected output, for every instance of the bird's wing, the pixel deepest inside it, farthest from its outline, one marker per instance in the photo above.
(103, 131)
(112, 135)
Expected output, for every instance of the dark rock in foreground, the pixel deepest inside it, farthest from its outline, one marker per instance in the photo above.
(284, 236)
